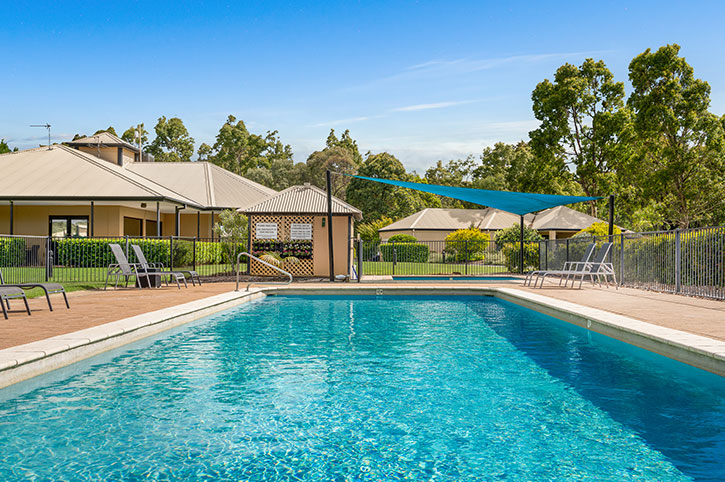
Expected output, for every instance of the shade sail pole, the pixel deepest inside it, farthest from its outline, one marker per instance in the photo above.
(329, 227)
(521, 246)
(611, 218)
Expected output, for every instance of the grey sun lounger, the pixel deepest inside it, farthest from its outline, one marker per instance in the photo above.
(123, 269)
(159, 267)
(597, 267)
(48, 289)
(8, 293)
(533, 276)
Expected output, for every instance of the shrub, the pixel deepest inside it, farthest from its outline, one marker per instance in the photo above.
(405, 252)
(513, 235)
(597, 229)
(369, 231)
(402, 238)
(468, 244)
(512, 252)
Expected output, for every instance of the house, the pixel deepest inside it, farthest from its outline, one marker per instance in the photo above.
(296, 220)
(103, 186)
(434, 224)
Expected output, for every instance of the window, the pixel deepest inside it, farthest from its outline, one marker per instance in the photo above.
(151, 228)
(132, 226)
(68, 226)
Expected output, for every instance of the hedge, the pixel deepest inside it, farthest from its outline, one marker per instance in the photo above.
(12, 251)
(95, 252)
(405, 252)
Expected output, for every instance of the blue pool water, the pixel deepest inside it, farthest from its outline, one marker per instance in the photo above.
(369, 388)
(455, 278)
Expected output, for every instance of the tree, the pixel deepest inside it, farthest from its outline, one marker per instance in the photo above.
(376, 200)
(173, 142)
(233, 229)
(346, 142)
(110, 130)
(680, 161)
(238, 150)
(582, 117)
(130, 135)
(336, 159)
(5, 148)
(281, 174)
(456, 172)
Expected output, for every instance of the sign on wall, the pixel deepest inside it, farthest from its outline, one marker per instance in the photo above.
(300, 231)
(265, 230)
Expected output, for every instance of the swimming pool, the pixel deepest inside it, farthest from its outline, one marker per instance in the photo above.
(456, 278)
(369, 388)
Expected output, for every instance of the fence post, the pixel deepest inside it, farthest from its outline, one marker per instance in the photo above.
(48, 259)
(466, 262)
(171, 252)
(567, 250)
(678, 261)
(621, 261)
(395, 258)
(194, 256)
(546, 255)
(359, 259)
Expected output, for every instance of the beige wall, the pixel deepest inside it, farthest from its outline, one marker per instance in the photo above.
(108, 220)
(341, 245)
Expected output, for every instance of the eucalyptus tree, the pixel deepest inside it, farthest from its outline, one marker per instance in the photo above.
(680, 160)
(583, 127)
(173, 142)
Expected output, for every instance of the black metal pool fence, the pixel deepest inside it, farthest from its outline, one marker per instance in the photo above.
(86, 260)
(690, 262)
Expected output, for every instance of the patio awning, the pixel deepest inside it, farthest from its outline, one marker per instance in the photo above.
(510, 201)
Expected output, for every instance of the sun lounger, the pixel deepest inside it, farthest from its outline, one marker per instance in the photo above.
(533, 276)
(48, 289)
(12, 292)
(122, 268)
(159, 267)
(597, 267)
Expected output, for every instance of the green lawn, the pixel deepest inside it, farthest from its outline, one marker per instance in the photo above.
(386, 268)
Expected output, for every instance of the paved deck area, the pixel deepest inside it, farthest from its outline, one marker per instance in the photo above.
(92, 308)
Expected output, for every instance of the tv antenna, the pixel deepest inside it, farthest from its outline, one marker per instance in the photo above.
(47, 126)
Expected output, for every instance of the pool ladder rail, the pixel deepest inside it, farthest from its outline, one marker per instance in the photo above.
(251, 257)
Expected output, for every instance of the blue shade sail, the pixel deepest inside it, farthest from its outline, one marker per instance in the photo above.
(513, 202)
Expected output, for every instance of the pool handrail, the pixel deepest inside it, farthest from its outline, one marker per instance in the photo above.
(251, 257)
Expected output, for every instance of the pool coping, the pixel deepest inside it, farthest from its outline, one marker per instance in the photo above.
(26, 361)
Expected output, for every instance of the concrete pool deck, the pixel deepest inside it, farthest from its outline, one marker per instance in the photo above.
(113, 318)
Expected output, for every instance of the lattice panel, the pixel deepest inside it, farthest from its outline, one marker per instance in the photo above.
(305, 266)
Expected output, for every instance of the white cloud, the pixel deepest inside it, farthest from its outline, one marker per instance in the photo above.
(435, 105)
(349, 120)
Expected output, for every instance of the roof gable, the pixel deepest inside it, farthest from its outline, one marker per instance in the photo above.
(103, 139)
(305, 199)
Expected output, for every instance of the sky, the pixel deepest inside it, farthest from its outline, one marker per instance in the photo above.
(425, 81)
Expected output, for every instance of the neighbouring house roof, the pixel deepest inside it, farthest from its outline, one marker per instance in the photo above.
(560, 218)
(102, 139)
(64, 173)
(206, 183)
(305, 199)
